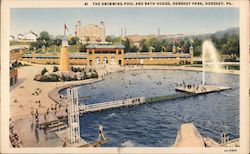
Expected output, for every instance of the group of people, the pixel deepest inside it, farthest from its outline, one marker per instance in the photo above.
(35, 112)
(35, 115)
(14, 137)
(39, 104)
(135, 100)
(56, 107)
(224, 138)
(37, 91)
(192, 86)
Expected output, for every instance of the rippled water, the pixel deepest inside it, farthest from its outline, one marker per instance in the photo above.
(156, 124)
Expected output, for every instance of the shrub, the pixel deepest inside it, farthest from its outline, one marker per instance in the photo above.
(44, 71)
(55, 69)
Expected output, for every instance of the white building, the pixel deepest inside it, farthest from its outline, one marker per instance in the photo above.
(27, 37)
(12, 38)
(19, 37)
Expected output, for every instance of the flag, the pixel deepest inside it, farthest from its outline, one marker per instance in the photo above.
(65, 27)
(174, 40)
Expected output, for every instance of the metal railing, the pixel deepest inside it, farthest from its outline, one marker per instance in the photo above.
(112, 104)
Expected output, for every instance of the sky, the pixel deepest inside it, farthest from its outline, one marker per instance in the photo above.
(142, 21)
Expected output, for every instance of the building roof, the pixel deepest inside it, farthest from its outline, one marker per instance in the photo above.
(94, 46)
(77, 55)
(55, 55)
(157, 55)
(33, 33)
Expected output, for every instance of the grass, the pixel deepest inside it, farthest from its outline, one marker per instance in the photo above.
(73, 48)
(55, 48)
(19, 43)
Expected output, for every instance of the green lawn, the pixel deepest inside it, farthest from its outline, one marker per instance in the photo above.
(55, 48)
(19, 43)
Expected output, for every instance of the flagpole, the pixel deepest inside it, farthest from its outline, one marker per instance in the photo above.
(64, 29)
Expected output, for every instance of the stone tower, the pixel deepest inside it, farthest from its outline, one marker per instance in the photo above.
(64, 56)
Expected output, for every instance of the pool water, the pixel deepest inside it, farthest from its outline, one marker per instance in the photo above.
(156, 124)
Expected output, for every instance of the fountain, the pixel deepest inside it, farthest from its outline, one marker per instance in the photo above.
(210, 58)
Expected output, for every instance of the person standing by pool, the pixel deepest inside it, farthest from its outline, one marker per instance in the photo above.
(101, 134)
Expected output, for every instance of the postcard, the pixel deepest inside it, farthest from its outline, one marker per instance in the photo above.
(124, 76)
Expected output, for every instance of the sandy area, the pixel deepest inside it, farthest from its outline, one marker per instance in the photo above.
(22, 100)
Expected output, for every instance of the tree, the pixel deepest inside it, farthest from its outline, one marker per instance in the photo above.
(143, 45)
(57, 41)
(227, 44)
(43, 40)
(127, 45)
(157, 46)
(83, 48)
(109, 39)
(197, 44)
(165, 45)
(134, 49)
(44, 36)
(73, 40)
(38, 44)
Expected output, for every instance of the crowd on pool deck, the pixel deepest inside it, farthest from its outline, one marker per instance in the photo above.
(192, 87)
(13, 136)
(35, 112)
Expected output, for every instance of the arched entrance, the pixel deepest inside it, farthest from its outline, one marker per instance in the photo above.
(112, 61)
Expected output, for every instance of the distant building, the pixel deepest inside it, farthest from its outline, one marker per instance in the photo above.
(19, 37)
(113, 55)
(30, 37)
(136, 39)
(12, 38)
(105, 54)
(27, 37)
(93, 34)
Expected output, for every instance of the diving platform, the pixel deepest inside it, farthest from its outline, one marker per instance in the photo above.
(188, 136)
(201, 89)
